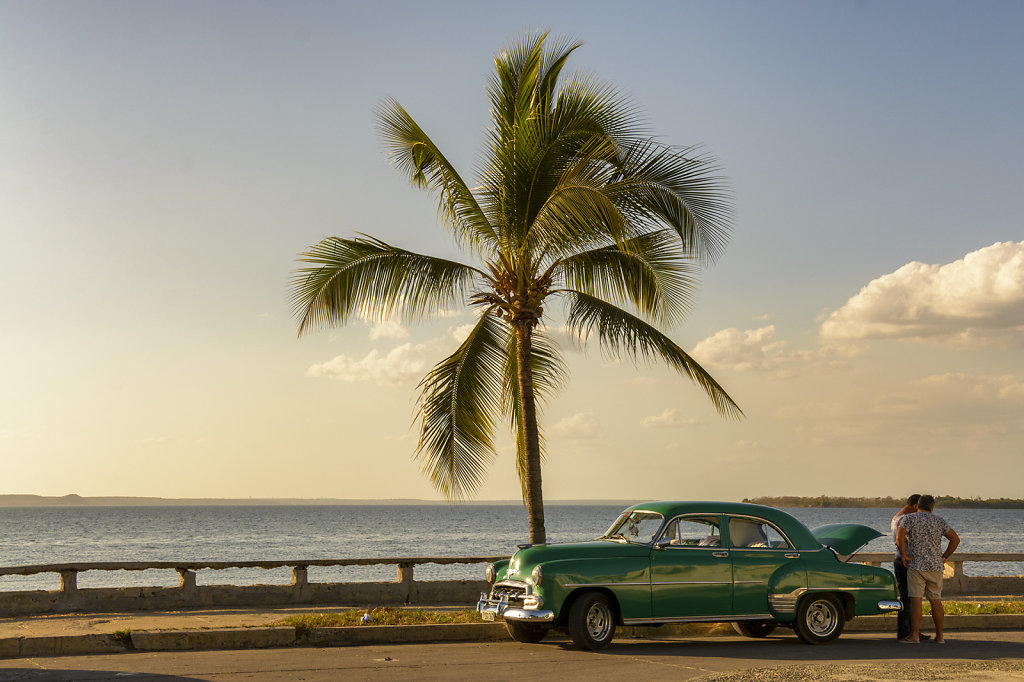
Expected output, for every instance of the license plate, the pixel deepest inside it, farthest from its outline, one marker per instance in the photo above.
(487, 615)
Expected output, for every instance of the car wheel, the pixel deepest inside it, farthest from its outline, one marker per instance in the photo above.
(755, 628)
(592, 621)
(819, 619)
(528, 633)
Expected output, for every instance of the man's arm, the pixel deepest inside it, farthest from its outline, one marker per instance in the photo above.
(901, 542)
(954, 542)
(906, 510)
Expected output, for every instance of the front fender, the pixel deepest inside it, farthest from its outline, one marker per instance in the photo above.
(627, 579)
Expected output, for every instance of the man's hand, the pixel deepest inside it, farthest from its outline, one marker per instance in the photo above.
(906, 561)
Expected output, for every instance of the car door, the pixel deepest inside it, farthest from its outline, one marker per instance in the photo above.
(758, 550)
(691, 574)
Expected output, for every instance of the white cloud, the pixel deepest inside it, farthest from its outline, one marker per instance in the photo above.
(580, 425)
(977, 301)
(669, 418)
(750, 349)
(390, 329)
(461, 332)
(402, 365)
(1005, 389)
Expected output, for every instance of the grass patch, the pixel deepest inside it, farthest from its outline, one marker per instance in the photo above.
(379, 616)
(968, 608)
(122, 637)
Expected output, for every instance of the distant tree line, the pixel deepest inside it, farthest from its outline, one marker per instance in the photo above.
(941, 501)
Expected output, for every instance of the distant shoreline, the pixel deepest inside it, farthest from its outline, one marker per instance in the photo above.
(821, 501)
(125, 501)
(941, 502)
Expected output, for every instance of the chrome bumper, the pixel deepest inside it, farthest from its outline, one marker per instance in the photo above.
(890, 605)
(492, 609)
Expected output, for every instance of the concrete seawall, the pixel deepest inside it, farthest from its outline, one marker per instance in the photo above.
(426, 593)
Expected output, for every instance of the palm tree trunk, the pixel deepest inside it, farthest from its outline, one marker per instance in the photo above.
(531, 436)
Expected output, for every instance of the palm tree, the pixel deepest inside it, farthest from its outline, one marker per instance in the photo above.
(575, 203)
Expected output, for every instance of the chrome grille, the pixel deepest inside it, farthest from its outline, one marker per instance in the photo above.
(510, 592)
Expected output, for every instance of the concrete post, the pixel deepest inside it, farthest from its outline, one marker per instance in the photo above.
(187, 582)
(405, 578)
(68, 588)
(301, 591)
(958, 576)
(69, 583)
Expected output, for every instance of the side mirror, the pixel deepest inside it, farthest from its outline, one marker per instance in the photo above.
(663, 543)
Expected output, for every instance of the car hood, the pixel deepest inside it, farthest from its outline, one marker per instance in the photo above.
(528, 557)
(845, 538)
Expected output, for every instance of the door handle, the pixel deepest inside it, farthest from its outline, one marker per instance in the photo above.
(793, 555)
(721, 555)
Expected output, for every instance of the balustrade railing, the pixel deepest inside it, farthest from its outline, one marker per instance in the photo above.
(405, 589)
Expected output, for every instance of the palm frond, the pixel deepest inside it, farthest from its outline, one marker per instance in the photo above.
(649, 272)
(678, 187)
(619, 332)
(416, 156)
(368, 278)
(459, 400)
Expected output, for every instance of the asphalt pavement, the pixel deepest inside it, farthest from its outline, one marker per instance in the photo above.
(975, 655)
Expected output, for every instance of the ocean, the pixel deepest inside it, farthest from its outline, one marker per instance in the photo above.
(50, 535)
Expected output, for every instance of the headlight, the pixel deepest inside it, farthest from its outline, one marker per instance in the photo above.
(536, 575)
(489, 573)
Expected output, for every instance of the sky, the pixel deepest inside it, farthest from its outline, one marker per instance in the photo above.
(163, 164)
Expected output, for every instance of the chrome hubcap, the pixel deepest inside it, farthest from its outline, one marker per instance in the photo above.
(599, 621)
(822, 618)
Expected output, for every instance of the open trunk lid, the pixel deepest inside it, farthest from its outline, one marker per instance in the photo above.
(845, 538)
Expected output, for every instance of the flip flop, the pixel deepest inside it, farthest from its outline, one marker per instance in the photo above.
(907, 641)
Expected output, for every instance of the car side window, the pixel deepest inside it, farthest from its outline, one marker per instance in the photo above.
(689, 532)
(755, 534)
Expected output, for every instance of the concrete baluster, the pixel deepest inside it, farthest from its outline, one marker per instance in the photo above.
(405, 578)
(68, 587)
(301, 591)
(187, 582)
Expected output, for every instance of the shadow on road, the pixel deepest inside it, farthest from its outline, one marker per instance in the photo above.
(789, 649)
(35, 675)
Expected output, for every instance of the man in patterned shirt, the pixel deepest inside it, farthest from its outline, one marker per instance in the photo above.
(919, 539)
(900, 571)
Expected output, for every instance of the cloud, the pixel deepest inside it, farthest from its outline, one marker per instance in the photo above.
(391, 329)
(668, 419)
(751, 349)
(580, 425)
(402, 365)
(974, 302)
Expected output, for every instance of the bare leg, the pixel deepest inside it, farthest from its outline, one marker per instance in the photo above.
(915, 619)
(939, 616)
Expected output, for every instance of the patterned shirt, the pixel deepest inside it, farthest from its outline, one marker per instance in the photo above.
(924, 540)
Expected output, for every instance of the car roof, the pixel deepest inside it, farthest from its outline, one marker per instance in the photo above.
(797, 532)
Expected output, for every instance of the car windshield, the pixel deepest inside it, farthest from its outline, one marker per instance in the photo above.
(637, 526)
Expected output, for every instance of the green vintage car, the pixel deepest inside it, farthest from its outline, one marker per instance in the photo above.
(691, 562)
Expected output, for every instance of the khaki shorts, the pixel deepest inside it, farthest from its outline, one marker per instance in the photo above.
(924, 584)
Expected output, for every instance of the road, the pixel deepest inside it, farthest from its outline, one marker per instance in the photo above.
(978, 656)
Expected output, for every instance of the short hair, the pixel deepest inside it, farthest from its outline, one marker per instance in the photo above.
(913, 499)
(927, 502)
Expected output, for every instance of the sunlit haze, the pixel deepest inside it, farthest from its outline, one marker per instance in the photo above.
(164, 163)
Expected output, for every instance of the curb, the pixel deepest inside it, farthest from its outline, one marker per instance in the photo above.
(214, 638)
(268, 637)
(406, 634)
